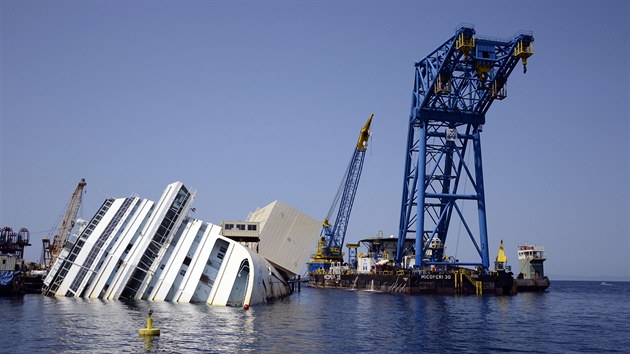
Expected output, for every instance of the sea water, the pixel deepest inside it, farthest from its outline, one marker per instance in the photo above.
(568, 317)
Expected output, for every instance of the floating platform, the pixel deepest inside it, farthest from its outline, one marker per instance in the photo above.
(404, 282)
(33, 281)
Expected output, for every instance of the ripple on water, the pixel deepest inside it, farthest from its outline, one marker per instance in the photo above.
(573, 317)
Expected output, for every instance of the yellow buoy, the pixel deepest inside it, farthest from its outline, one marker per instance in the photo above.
(150, 331)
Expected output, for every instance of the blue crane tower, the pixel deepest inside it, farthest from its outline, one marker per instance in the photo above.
(329, 247)
(454, 88)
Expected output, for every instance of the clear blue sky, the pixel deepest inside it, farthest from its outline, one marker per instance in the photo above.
(248, 102)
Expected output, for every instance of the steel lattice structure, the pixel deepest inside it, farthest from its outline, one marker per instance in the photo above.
(336, 233)
(454, 88)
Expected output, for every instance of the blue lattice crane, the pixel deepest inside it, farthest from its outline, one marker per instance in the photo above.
(329, 246)
(454, 88)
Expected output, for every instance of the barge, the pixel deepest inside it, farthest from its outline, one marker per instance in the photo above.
(375, 271)
(461, 281)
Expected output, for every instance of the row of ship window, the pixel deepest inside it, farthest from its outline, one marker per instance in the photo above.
(242, 227)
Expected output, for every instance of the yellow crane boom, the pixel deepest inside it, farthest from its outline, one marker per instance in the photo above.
(52, 250)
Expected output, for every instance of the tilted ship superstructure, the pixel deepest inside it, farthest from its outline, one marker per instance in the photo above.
(135, 248)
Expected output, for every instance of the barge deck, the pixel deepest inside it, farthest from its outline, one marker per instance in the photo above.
(404, 282)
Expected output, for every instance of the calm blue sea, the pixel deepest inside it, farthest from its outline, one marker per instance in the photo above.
(569, 317)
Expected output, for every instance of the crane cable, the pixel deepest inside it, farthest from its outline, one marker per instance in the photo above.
(335, 202)
(339, 191)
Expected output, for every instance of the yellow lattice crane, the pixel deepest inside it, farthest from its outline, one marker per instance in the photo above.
(52, 250)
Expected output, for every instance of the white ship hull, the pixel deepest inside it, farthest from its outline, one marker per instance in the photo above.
(134, 248)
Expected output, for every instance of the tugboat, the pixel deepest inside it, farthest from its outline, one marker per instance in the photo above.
(531, 275)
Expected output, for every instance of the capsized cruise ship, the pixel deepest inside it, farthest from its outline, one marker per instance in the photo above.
(134, 248)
